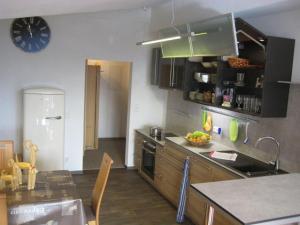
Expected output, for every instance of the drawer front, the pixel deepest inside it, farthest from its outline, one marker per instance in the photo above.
(176, 155)
(220, 174)
(200, 171)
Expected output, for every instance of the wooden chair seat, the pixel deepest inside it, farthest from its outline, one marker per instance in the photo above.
(24, 165)
(7, 177)
(6, 153)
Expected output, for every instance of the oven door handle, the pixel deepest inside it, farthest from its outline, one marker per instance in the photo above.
(148, 151)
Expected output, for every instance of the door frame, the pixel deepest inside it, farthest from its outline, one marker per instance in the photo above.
(98, 71)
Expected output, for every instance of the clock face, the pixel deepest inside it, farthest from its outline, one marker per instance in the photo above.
(30, 34)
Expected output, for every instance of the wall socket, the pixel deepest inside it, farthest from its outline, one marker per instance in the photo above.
(217, 130)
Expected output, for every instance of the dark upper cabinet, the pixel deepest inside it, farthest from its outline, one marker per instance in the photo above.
(167, 73)
(271, 60)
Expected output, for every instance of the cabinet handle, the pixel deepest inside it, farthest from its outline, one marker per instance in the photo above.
(53, 118)
(148, 151)
(171, 72)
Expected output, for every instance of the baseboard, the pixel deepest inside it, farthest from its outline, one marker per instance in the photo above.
(130, 167)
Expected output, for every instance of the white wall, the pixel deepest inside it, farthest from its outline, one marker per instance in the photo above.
(110, 36)
(113, 99)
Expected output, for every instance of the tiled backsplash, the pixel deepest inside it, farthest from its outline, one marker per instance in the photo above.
(184, 116)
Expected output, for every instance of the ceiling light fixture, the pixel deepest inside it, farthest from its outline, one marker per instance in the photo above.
(193, 34)
(165, 39)
(159, 40)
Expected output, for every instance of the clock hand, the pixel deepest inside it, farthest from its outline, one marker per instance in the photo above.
(29, 29)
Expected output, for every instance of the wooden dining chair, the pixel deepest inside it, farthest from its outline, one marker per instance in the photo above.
(6, 153)
(3, 210)
(29, 166)
(13, 177)
(100, 186)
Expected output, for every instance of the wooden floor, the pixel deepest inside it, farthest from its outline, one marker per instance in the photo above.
(128, 200)
(115, 147)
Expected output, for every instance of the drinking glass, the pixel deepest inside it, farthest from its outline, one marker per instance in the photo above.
(252, 103)
(239, 101)
(246, 106)
(257, 107)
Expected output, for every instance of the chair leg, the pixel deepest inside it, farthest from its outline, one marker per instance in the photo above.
(19, 176)
(31, 178)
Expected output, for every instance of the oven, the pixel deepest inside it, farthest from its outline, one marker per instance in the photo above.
(148, 158)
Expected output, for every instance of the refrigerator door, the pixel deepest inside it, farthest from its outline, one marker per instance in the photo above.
(44, 125)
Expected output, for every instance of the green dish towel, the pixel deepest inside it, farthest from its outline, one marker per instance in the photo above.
(204, 117)
(233, 130)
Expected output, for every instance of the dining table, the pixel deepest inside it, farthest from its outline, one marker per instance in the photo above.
(54, 201)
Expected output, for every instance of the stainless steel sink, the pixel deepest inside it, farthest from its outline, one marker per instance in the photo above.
(247, 165)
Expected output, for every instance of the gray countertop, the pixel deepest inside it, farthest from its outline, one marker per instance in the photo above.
(212, 146)
(260, 200)
(181, 142)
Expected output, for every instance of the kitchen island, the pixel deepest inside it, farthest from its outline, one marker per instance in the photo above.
(265, 200)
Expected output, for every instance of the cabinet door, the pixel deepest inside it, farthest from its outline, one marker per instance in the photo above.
(167, 179)
(221, 219)
(138, 143)
(220, 174)
(178, 73)
(156, 55)
(200, 172)
(165, 72)
(196, 208)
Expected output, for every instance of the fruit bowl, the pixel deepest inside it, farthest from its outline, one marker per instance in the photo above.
(198, 138)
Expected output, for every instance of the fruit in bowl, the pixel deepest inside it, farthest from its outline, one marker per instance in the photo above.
(198, 138)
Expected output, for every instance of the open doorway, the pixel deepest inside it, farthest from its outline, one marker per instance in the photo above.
(107, 85)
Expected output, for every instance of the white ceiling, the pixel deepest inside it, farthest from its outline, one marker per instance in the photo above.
(196, 10)
(23, 8)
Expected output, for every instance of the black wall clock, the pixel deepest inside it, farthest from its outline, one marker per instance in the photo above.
(30, 34)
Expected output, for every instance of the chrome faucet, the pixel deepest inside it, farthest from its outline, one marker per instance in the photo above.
(275, 163)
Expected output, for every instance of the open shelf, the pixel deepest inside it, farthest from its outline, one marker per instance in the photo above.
(222, 107)
(260, 81)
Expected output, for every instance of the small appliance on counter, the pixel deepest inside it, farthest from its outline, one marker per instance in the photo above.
(156, 132)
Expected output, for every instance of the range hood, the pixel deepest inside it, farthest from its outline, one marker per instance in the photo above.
(212, 37)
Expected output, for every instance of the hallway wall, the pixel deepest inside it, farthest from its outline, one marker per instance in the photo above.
(113, 99)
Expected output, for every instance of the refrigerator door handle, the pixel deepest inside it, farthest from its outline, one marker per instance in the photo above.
(53, 118)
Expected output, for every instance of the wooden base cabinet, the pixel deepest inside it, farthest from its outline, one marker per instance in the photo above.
(200, 172)
(138, 144)
(167, 178)
(169, 162)
(196, 208)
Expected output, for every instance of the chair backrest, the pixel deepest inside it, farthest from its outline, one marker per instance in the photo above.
(3, 210)
(6, 153)
(100, 184)
(33, 150)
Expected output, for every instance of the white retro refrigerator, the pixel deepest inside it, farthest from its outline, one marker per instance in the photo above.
(44, 125)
